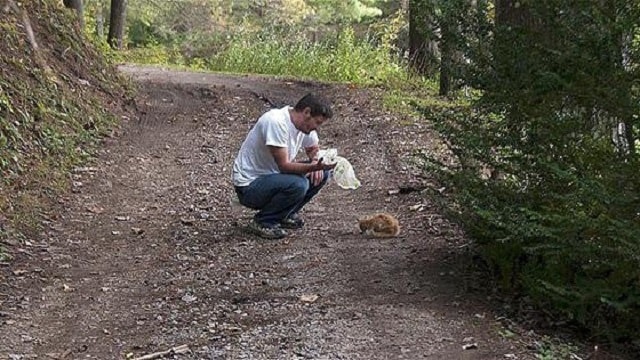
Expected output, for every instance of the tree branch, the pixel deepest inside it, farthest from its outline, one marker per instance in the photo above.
(175, 350)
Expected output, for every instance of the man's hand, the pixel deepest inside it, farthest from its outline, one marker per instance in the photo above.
(317, 175)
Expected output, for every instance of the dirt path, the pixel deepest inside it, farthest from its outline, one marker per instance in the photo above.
(148, 253)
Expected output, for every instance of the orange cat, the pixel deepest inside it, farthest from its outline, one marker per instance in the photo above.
(379, 225)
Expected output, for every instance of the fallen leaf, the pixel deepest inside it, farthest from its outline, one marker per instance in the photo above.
(26, 338)
(187, 221)
(470, 346)
(85, 169)
(137, 231)
(11, 242)
(309, 298)
(95, 209)
(189, 298)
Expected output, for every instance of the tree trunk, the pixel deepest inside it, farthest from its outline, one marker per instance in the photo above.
(512, 18)
(77, 6)
(116, 23)
(512, 12)
(630, 138)
(100, 19)
(423, 50)
(448, 28)
(446, 62)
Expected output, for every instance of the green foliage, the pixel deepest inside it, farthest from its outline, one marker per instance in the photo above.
(547, 349)
(346, 59)
(280, 52)
(154, 54)
(533, 174)
(153, 22)
(284, 37)
(349, 11)
(388, 33)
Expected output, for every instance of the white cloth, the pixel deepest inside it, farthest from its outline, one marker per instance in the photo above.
(274, 128)
(343, 173)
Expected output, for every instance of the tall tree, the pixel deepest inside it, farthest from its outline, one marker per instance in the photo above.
(77, 6)
(423, 47)
(99, 13)
(448, 45)
(116, 23)
(459, 22)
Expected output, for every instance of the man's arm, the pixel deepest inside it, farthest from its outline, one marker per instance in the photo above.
(315, 176)
(281, 157)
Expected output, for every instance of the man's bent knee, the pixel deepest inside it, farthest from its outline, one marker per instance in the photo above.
(297, 184)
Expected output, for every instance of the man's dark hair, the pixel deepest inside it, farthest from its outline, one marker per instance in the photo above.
(317, 104)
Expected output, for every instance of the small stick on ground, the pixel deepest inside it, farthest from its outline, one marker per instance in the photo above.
(66, 353)
(174, 350)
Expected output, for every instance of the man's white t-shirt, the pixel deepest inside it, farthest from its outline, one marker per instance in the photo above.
(274, 128)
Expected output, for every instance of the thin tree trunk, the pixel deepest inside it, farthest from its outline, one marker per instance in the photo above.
(100, 19)
(77, 6)
(445, 68)
(446, 59)
(630, 138)
(116, 23)
(513, 13)
(623, 126)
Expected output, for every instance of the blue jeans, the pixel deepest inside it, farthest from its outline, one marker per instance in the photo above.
(277, 196)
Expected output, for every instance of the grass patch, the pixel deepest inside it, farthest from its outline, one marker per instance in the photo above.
(345, 59)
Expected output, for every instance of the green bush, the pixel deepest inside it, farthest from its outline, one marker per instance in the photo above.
(536, 179)
(346, 59)
(274, 51)
(564, 231)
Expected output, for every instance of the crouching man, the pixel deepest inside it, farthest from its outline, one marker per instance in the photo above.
(265, 174)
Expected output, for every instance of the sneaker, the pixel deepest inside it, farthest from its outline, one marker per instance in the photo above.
(266, 232)
(293, 221)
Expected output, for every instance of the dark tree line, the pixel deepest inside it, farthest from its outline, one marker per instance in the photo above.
(557, 120)
(116, 19)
